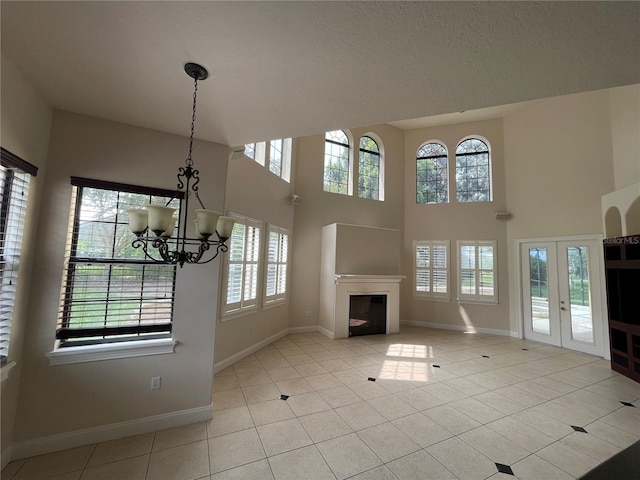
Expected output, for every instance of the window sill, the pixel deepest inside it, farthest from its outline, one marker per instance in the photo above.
(238, 313)
(273, 304)
(95, 353)
(478, 302)
(4, 371)
(431, 299)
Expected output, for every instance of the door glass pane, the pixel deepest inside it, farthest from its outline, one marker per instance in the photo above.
(539, 290)
(581, 321)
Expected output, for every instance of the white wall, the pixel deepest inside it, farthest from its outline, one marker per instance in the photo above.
(25, 125)
(455, 221)
(68, 398)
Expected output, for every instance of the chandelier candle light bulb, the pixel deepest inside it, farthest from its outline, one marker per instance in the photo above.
(160, 220)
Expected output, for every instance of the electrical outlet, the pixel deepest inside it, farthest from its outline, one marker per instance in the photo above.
(155, 383)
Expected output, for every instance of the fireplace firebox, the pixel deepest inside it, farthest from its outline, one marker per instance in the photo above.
(367, 314)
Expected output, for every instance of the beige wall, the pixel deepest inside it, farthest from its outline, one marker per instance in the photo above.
(624, 106)
(67, 398)
(255, 192)
(26, 122)
(559, 163)
(455, 221)
(320, 208)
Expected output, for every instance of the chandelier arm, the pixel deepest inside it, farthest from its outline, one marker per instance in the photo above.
(142, 243)
(220, 248)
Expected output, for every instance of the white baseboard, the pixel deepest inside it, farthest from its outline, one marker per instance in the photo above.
(104, 433)
(326, 333)
(309, 329)
(227, 362)
(460, 328)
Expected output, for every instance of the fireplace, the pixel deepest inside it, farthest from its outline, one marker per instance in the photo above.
(367, 314)
(336, 308)
(361, 262)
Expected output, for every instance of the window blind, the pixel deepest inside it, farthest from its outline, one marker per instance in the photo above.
(15, 176)
(111, 291)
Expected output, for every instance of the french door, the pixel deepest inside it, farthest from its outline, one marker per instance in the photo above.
(562, 293)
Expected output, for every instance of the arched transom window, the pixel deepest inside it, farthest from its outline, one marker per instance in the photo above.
(336, 162)
(432, 184)
(369, 169)
(473, 171)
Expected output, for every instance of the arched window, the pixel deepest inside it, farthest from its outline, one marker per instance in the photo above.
(432, 184)
(369, 169)
(336, 162)
(473, 171)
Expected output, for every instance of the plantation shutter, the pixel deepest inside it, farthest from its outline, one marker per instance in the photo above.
(477, 271)
(242, 265)
(276, 272)
(439, 269)
(423, 255)
(432, 268)
(15, 176)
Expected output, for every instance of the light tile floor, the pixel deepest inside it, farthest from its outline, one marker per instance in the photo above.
(422, 404)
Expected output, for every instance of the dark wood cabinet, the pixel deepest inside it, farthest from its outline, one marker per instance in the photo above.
(622, 269)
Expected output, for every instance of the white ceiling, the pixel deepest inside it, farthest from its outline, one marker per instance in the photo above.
(280, 69)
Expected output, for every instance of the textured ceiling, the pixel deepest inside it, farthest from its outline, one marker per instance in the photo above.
(280, 69)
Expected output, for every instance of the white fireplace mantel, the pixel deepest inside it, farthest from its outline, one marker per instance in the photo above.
(347, 285)
(343, 278)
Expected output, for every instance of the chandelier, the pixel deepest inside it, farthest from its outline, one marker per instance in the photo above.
(154, 225)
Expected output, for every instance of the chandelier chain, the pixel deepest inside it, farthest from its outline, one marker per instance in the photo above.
(189, 161)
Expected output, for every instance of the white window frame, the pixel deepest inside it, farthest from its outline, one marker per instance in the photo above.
(428, 185)
(430, 294)
(489, 168)
(262, 155)
(478, 296)
(350, 159)
(280, 264)
(380, 176)
(247, 303)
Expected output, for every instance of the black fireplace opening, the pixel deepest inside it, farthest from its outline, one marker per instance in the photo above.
(367, 314)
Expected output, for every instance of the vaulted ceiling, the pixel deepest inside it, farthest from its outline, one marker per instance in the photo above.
(280, 69)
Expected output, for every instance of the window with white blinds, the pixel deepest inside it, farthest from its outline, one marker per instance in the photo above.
(111, 292)
(276, 265)
(431, 262)
(14, 193)
(477, 273)
(241, 266)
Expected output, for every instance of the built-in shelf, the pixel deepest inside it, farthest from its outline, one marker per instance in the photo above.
(622, 269)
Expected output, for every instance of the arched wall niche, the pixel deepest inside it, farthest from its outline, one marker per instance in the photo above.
(613, 223)
(632, 218)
